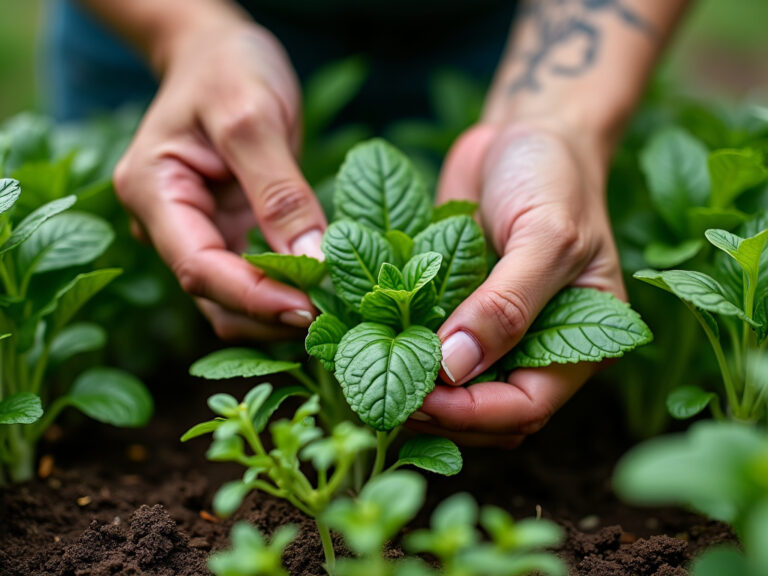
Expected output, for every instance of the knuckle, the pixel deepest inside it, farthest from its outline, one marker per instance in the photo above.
(536, 418)
(508, 310)
(282, 200)
(568, 237)
(247, 117)
(225, 330)
(191, 280)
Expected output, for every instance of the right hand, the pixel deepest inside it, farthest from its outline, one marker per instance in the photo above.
(214, 156)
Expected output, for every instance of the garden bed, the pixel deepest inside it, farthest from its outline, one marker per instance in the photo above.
(138, 502)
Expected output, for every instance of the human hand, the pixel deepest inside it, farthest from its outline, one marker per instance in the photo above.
(542, 203)
(215, 156)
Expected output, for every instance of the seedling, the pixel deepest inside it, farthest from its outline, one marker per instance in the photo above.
(735, 298)
(43, 287)
(251, 555)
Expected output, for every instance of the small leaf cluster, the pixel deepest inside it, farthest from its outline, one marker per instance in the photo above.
(734, 297)
(44, 283)
(717, 468)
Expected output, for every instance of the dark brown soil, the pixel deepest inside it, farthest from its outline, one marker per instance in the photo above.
(137, 502)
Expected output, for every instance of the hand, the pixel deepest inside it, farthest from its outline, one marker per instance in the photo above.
(215, 156)
(542, 203)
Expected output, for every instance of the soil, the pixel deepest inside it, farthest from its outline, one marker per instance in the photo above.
(136, 502)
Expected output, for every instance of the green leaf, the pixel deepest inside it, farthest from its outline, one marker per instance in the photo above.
(733, 172)
(112, 396)
(36, 219)
(9, 193)
(391, 277)
(421, 269)
(384, 375)
(459, 240)
(402, 245)
(385, 306)
(675, 168)
(256, 397)
(687, 401)
(661, 255)
(329, 90)
(329, 303)
(238, 363)
(223, 404)
(229, 498)
(431, 453)
(202, 429)
(528, 534)
(746, 251)
(354, 255)
(344, 444)
(698, 288)
(65, 240)
(226, 449)
(273, 403)
(323, 338)
(454, 208)
(580, 325)
(701, 218)
(71, 298)
(720, 561)
(379, 187)
(22, 408)
(76, 339)
(301, 271)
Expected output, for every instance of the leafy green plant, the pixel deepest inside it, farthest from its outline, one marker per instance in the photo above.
(44, 286)
(251, 555)
(735, 298)
(716, 468)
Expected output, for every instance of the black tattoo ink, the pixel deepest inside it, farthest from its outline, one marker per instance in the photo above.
(559, 22)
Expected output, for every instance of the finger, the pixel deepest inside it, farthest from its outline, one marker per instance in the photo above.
(231, 326)
(460, 176)
(178, 221)
(506, 441)
(522, 405)
(254, 142)
(137, 231)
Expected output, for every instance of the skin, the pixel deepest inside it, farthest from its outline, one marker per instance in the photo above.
(216, 154)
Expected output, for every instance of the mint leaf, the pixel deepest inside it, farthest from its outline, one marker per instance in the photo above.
(9, 193)
(421, 269)
(71, 298)
(272, 403)
(459, 240)
(386, 306)
(329, 303)
(202, 429)
(238, 363)
(675, 168)
(391, 277)
(379, 187)
(702, 218)
(747, 252)
(323, 338)
(111, 396)
(580, 325)
(36, 219)
(22, 408)
(402, 245)
(733, 172)
(63, 241)
(385, 375)
(454, 208)
(431, 453)
(354, 255)
(303, 272)
(76, 339)
(687, 401)
(662, 255)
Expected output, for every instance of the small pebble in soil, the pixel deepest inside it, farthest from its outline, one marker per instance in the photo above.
(590, 522)
(84, 500)
(207, 516)
(137, 453)
(45, 467)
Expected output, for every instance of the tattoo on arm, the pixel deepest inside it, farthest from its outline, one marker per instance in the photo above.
(558, 23)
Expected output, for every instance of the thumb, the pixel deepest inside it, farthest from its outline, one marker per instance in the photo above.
(460, 177)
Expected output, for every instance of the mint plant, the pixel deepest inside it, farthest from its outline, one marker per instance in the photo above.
(251, 555)
(734, 298)
(43, 287)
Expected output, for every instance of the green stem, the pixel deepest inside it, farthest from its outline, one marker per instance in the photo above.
(382, 444)
(39, 373)
(250, 435)
(311, 385)
(8, 284)
(325, 538)
(717, 411)
(36, 430)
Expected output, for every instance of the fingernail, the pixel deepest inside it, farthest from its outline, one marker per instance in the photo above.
(309, 244)
(298, 318)
(421, 416)
(461, 355)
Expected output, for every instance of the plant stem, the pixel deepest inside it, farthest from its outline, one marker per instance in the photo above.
(8, 283)
(311, 385)
(325, 538)
(382, 443)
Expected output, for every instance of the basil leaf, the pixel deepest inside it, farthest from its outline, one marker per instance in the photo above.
(301, 271)
(238, 363)
(36, 219)
(63, 241)
(379, 187)
(675, 168)
(111, 396)
(323, 338)
(431, 453)
(460, 242)
(385, 375)
(354, 255)
(580, 325)
(687, 401)
(733, 172)
(9, 193)
(71, 298)
(454, 208)
(22, 408)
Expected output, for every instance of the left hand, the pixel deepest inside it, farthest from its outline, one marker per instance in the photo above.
(542, 204)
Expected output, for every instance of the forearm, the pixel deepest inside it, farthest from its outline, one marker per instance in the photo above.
(156, 27)
(582, 64)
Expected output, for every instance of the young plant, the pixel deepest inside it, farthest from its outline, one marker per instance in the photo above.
(734, 298)
(43, 285)
(717, 468)
(251, 555)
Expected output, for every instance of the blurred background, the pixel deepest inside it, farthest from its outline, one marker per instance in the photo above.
(720, 51)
